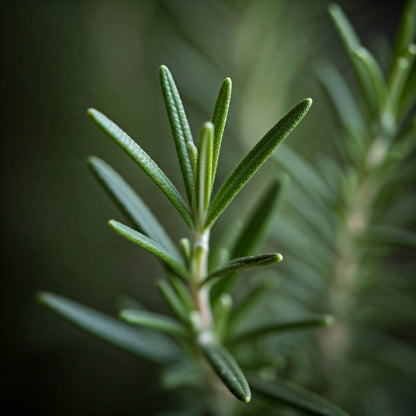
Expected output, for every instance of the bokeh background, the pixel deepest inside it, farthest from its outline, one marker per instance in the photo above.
(60, 58)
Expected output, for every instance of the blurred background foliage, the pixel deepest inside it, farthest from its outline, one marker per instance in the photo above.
(58, 59)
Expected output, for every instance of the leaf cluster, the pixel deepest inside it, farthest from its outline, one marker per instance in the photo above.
(198, 279)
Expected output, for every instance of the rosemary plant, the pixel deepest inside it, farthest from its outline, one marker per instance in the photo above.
(360, 207)
(198, 281)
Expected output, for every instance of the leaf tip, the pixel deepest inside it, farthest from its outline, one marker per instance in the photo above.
(41, 296)
(208, 125)
(247, 397)
(308, 102)
(333, 9)
(112, 223)
(92, 112)
(278, 257)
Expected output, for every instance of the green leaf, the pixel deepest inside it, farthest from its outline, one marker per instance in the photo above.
(407, 28)
(399, 75)
(352, 43)
(346, 31)
(346, 111)
(143, 160)
(246, 305)
(227, 369)
(181, 290)
(153, 347)
(219, 119)
(375, 74)
(306, 175)
(392, 235)
(267, 329)
(293, 395)
(186, 250)
(252, 162)
(222, 313)
(203, 182)
(408, 97)
(179, 126)
(149, 245)
(257, 224)
(243, 263)
(172, 299)
(130, 203)
(250, 237)
(155, 321)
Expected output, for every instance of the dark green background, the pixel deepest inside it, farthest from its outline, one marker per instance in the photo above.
(58, 59)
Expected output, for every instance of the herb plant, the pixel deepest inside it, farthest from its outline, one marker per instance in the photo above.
(197, 346)
(360, 207)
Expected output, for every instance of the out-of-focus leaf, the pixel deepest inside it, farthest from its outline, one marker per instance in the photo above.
(179, 125)
(352, 43)
(293, 395)
(346, 110)
(280, 327)
(172, 299)
(252, 234)
(256, 157)
(143, 160)
(149, 245)
(181, 290)
(399, 75)
(247, 304)
(130, 203)
(408, 98)
(158, 349)
(303, 173)
(256, 225)
(154, 321)
(226, 367)
(374, 73)
(407, 28)
(392, 236)
(222, 313)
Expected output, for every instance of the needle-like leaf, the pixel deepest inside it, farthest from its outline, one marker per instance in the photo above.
(346, 110)
(143, 160)
(352, 43)
(243, 263)
(155, 321)
(203, 182)
(253, 233)
(222, 314)
(181, 290)
(247, 304)
(227, 369)
(407, 28)
(374, 73)
(153, 347)
(399, 75)
(257, 156)
(173, 300)
(130, 203)
(293, 395)
(149, 245)
(218, 119)
(179, 126)
(321, 321)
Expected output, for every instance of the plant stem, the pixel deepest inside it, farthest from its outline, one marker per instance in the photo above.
(348, 264)
(199, 270)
